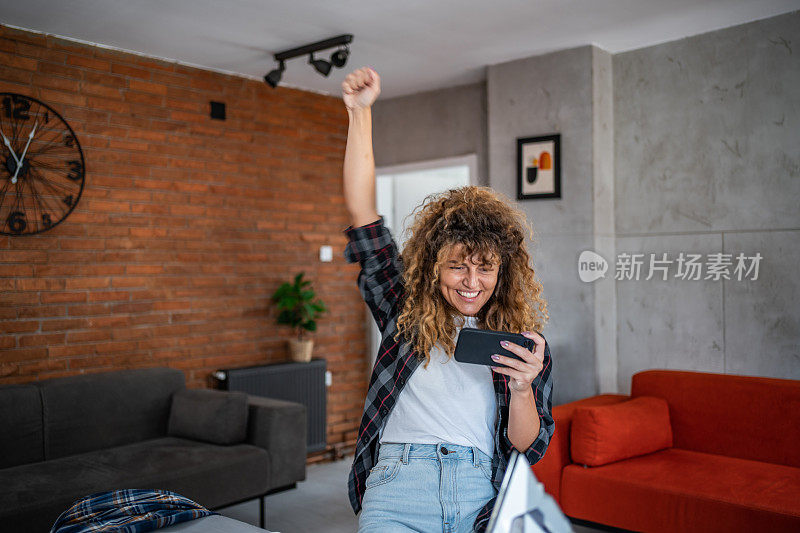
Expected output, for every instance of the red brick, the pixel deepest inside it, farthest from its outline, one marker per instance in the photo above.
(82, 244)
(147, 87)
(62, 97)
(127, 145)
(107, 104)
(58, 83)
(115, 347)
(38, 367)
(23, 354)
(107, 206)
(42, 340)
(8, 298)
(20, 62)
(42, 311)
(64, 325)
(88, 62)
(97, 89)
(18, 326)
(88, 309)
(107, 296)
(93, 335)
(9, 45)
(130, 307)
(40, 284)
(63, 297)
(70, 350)
(17, 256)
(144, 99)
(130, 71)
(108, 322)
(144, 269)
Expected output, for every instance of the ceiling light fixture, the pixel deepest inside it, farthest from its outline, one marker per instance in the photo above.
(274, 76)
(338, 58)
(320, 65)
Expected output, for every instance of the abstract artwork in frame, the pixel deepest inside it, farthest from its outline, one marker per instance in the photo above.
(539, 167)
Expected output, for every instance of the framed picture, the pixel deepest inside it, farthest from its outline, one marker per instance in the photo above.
(539, 167)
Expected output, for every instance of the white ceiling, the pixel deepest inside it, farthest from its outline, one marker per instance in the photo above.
(416, 45)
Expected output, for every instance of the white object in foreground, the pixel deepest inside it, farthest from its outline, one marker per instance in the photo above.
(522, 504)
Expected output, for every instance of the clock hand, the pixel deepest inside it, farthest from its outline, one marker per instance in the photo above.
(25, 151)
(8, 144)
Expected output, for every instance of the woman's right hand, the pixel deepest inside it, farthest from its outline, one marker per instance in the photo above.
(361, 88)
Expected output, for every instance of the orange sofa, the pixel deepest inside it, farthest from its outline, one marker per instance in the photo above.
(686, 451)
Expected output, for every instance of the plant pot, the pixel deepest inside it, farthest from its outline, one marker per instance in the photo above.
(300, 351)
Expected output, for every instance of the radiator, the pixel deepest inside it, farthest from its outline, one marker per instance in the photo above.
(296, 382)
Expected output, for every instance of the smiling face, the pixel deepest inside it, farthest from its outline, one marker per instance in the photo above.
(467, 283)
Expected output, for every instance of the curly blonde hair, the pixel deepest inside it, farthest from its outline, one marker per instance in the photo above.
(486, 224)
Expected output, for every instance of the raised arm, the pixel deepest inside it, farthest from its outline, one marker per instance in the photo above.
(359, 90)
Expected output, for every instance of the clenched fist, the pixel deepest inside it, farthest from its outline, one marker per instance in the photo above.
(361, 88)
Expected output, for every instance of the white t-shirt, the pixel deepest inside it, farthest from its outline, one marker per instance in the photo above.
(446, 402)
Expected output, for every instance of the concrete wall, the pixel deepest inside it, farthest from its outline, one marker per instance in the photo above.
(536, 96)
(432, 125)
(708, 160)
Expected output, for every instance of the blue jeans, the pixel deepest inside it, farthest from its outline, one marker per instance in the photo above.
(427, 488)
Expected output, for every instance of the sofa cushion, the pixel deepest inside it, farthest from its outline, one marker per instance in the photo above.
(548, 469)
(602, 434)
(21, 436)
(95, 411)
(213, 416)
(680, 490)
(34, 495)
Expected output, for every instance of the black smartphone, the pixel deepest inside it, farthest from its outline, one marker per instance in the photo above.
(476, 346)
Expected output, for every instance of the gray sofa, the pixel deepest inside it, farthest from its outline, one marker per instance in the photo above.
(65, 438)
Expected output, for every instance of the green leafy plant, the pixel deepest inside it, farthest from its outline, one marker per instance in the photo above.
(297, 307)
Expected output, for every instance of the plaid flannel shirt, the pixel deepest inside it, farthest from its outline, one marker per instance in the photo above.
(128, 510)
(381, 285)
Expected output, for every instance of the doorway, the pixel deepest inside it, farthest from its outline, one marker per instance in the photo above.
(400, 189)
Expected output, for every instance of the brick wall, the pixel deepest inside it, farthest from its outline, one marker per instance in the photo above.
(185, 228)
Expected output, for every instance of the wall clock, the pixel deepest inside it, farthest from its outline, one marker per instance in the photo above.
(42, 174)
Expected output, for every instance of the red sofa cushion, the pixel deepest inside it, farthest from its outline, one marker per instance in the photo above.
(548, 469)
(680, 490)
(603, 434)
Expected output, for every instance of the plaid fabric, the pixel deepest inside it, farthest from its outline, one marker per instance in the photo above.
(128, 511)
(381, 285)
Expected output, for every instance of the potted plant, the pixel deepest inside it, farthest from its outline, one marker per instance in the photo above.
(299, 309)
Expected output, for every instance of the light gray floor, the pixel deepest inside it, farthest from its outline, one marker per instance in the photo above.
(318, 504)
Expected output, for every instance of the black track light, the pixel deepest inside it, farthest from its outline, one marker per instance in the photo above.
(338, 58)
(274, 77)
(320, 65)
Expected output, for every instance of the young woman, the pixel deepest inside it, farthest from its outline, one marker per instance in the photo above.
(436, 435)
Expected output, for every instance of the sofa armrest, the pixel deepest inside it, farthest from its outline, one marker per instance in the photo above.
(548, 469)
(279, 427)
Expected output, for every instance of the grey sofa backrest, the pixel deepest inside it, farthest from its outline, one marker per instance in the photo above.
(21, 435)
(95, 411)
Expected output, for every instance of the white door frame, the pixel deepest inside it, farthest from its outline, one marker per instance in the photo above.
(471, 161)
